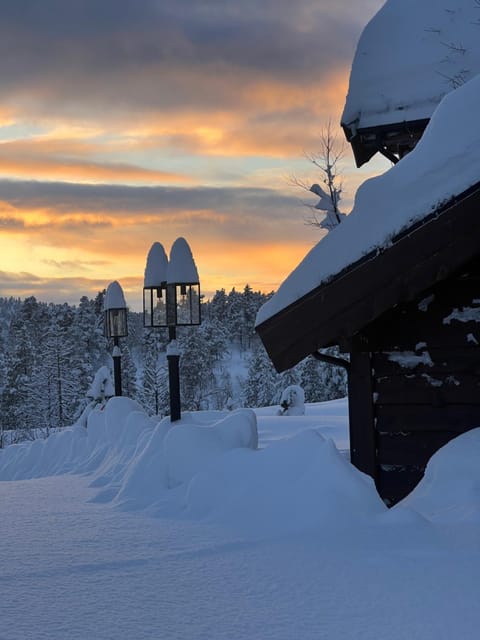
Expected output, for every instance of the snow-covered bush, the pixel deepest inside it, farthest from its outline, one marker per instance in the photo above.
(292, 402)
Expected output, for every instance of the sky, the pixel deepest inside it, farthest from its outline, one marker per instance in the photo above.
(127, 122)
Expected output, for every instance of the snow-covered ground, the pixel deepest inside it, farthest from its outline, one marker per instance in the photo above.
(132, 529)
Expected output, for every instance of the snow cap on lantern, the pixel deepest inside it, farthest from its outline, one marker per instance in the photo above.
(183, 286)
(181, 268)
(156, 267)
(154, 287)
(115, 309)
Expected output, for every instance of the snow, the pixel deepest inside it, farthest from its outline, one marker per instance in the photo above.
(444, 164)
(133, 528)
(410, 359)
(465, 314)
(292, 401)
(114, 298)
(156, 267)
(181, 266)
(408, 57)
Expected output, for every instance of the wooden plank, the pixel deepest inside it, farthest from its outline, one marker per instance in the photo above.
(426, 388)
(360, 406)
(406, 418)
(431, 362)
(405, 334)
(414, 448)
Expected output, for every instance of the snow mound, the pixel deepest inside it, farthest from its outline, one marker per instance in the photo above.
(450, 488)
(206, 466)
(295, 484)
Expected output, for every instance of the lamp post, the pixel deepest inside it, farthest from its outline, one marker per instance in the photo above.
(171, 298)
(115, 309)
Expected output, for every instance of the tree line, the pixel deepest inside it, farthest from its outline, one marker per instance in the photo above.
(49, 354)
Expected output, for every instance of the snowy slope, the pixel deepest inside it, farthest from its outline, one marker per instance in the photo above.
(112, 539)
(444, 163)
(409, 56)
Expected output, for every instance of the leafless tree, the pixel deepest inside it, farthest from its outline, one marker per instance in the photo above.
(326, 213)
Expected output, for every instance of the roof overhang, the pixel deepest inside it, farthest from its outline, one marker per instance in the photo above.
(392, 140)
(426, 253)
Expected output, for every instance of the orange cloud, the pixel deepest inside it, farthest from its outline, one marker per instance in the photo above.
(272, 119)
(62, 160)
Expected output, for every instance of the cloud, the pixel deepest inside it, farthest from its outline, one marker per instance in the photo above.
(129, 56)
(64, 159)
(122, 200)
(125, 121)
(24, 284)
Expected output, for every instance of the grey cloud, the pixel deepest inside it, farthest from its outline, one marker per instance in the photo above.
(90, 51)
(59, 290)
(11, 224)
(87, 198)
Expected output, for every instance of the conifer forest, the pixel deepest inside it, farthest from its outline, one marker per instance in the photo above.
(49, 354)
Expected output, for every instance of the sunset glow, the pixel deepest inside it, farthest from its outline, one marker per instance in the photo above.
(145, 122)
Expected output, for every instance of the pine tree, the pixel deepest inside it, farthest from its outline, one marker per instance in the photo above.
(153, 391)
(261, 385)
(129, 373)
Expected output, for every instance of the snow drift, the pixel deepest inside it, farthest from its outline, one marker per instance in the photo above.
(208, 467)
(205, 466)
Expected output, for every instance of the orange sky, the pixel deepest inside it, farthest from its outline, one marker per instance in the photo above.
(139, 123)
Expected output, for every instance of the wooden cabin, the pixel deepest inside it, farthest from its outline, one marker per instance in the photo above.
(406, 305)
(409, 318)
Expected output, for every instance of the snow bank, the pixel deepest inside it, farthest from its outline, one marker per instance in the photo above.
(295, 484)
(444, 164)
(208, 466)
(450, 488)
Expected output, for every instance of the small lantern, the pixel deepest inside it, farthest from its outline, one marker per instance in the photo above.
(155, 288)
(115, 309)
(183, 287)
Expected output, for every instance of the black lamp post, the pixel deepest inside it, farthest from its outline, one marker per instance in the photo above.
(115, 309)
(171, 298)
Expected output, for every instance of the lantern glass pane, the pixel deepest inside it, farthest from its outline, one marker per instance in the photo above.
(154, 307)
(117, 323)
(188, 304)
(147, 307)
(159, 309)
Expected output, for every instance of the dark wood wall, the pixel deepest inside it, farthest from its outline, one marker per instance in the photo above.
(415, 382)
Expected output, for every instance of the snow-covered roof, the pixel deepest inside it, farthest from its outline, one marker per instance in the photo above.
(445, 163)
(409, 56)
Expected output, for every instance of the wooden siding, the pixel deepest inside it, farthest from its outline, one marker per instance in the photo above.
(425, 386)
(427, 253)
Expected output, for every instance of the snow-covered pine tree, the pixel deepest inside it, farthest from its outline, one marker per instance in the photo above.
(129, 373)
(260, 388)
(153, 390)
